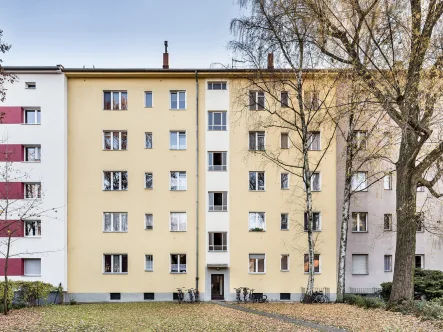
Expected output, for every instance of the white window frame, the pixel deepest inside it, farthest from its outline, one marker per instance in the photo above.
(255, 106)
(319, 181)
(146, 180)
(179, 217)
(256, 219)
(256, 135)
(146, 221)
(112, 180)
(319, 221)
(36, 116)
(119, 100)
(38, 189)
(146, 140)
(256, 184)
(38, 151)
(152, 263)
(359, 222)
(421, 189)
(119, 147)
(224, 206)
(177, 134)
(359, 136)
(281, 181)
(223, 166)
(422, 259)
(223, 126)
(152, 99)
(176, 180)
(387, 182)
(223, 245)
(287, 221)
(171, 92)
(120, 222)
(32, 259)
(387, 259)
(287, 141)
(256, 263)
(358, 186)
(112, 263)
(287, 262)
(38, 227)
(390, 222)
(319, 263)
(223, 85)
(367, 264)
(311, 136)
(179, 271)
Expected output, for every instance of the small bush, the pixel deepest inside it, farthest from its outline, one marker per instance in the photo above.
(357, 300)
(11, 288)
(31, 292)
(386, 289)
(373, 302)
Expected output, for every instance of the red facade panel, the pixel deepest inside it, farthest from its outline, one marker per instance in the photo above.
(11, 115)
(16, 266)
(11, 190)
(11, 152)
(16, 228)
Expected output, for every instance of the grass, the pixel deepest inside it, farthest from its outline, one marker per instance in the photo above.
(153, 316)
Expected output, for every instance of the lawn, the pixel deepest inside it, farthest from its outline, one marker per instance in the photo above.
(154, 316)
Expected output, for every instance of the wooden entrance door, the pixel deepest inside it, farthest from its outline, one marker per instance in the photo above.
(217, 287)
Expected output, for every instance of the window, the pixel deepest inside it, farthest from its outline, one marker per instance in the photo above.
(284, 262)
(115, 100)
(284, 181)
(359, 139)
(115, 140)
(285, 296)
(359, 221)
(388, 263)
(218, 241)
(115, 263)
(115, 222)
(256, 140)
(256, 263)
(387, 182)
(148, 140)
(30, 85)
(421, 189)
(217, 121)
(257, 221)
(316, 263)
(115, 180)
(257, 181)
(284, 221)
(177, 140)
(256, 100)
(33, 267)
(33, 228)
(311, 100)
(149, 181)
(178, 222)
(178, 263)
(314, 141)
(217, 161)
(33, 190)
(358, 182)
(284, 99)
(284, 140)
(148, 296)
(115, 296)
(387, 222)
(149, 221)
(315, 181)
(148, 99)
(33, 153)
(178, 181)
(316, 226)
(32, 117)
(178, 100)
(360, 264)
(218, 201)
(216, 85)
(149, 263)
(419, 219)
(419, 261)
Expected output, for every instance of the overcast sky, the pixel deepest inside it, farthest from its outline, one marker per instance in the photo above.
(110, 33)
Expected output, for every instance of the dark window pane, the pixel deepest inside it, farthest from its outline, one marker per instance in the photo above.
(124, 101)
(148, 99)
(124, 144)
(107, 263)
(115, 100)
(107, 100)
(124, 180)
(124, 263)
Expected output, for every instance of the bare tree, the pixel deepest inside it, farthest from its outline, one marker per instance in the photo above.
(294, 99)
(4, 76)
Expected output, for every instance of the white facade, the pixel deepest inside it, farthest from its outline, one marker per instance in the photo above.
(50, 97)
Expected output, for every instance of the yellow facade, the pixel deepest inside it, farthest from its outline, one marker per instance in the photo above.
(87, 201)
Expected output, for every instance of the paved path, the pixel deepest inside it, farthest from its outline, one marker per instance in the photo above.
(305, 323)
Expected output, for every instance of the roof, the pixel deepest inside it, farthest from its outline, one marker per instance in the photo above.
(33, 69)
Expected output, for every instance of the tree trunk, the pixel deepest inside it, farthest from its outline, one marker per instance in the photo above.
(6, 288)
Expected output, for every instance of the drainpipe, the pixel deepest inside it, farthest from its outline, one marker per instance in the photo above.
(196, 181)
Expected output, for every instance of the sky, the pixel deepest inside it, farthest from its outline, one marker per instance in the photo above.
(117, 34)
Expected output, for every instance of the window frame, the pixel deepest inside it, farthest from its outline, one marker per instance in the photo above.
(224, 156)
(223, 116)
(221, 85)
(311, 136)
(389, 182)
(177, 134)
(224, 245)
(254, 229)
(112, 180)
(422, 261)
(152, 98)
(120, 108)
(24, 267)
(256, 106)
(152, 262)
(305, 214)
(177, 179)
(146, 221)
(312, 181)
(284, 104)
(120, 140)
(112, 263)
(358, 225)
(224, 206)
(146, 180)
(256, 145)
(171, 92)
(30, 85)
(148, 133)
(112, 215)
(387, 259)
(319, 256)
(287, 262)
(36, 148)
(256, 184)
(287, 221)
(357, 140)
(365, 183)
(287, 141)
(178, 260)
(37, 116)
(281, 181)
(257, 263)
(390, 222)
(39, 190)
(367, 265)
(178, 221)
(38, 228)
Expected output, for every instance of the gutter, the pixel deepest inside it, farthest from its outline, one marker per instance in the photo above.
(197, 184)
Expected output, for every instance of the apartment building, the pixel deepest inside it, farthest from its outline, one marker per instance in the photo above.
(162, 192)
(33, 174)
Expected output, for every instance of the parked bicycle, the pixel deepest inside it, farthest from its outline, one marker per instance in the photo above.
(191, 295)
(196, 296)
(180, 295)
(245, 294)
(315, 297)
(257, 297)
(238, 294)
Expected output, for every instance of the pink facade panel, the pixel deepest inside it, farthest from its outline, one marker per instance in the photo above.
(11, 115)
(13, 227)
(11, 190)
(16, 266)
(11, 152)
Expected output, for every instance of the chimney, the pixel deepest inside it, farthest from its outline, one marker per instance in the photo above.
(166, 56)
(270, 60)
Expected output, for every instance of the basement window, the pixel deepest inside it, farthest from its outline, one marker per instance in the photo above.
(285, 296)
(115, 296)
(30, 85)
(148, 296)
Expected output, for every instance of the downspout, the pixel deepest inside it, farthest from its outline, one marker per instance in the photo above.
(196, 182)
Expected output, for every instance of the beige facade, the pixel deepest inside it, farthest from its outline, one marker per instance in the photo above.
(88, 201)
